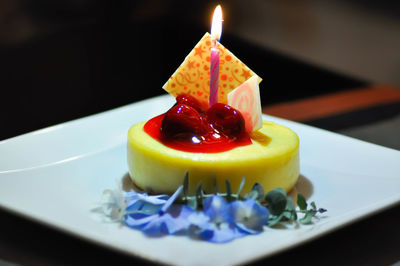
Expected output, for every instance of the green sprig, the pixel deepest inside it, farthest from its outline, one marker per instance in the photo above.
(283, 209)
(196, 201)
(281, 206)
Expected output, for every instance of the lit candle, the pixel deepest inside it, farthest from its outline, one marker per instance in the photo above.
(216, 30)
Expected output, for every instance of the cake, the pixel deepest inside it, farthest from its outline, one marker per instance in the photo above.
(225, 139)
(268, 156)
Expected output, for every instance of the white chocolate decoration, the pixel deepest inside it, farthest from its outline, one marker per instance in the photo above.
(246, 99)
(193, 75)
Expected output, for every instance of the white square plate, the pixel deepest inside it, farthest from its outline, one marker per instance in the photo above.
(56, 176)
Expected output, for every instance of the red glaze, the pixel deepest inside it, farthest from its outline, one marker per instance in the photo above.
(226, 119)
(220, 128)
(191, 101)
(183, 122)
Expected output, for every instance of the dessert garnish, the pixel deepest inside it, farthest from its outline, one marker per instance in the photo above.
(246, 99)
(217, 217)
(193, 75)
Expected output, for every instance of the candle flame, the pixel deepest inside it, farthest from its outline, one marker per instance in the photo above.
(216, 26)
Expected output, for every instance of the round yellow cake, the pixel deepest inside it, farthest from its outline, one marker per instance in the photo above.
(272, 160)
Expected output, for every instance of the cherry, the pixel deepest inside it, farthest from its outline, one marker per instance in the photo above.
(191, 101)
(183, 122)
(226, 119)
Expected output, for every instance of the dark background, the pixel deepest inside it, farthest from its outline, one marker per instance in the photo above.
(62, 60)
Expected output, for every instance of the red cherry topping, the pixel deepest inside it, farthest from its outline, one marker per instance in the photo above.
(191, 101)
(189, 126)
(226, 119)
(182, 122)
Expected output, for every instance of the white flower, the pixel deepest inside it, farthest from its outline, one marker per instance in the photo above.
(113, 204)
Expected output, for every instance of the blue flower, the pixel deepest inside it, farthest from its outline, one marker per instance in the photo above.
(220, 234)
(169, 219)
(219, 222)
(249, 216)
(143, 203)
(219, 227)
(216, 208)
(134, 196)
(171, 222)
(227, 221)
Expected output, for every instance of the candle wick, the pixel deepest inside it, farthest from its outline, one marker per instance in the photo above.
(214, 42)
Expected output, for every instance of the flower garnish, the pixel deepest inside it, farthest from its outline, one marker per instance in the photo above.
(168, 219)
(143, 203)
(113, 205)
(217, 218)
(216, 208)
(249, 215)
(220, 227)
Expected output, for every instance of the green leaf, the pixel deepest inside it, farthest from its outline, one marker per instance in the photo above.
(241, 186)
(294, 216)
(291, 208)
(228, 190)
(192, 202)
(290, 204)
(281, 190)
(301, 202)
(186, 185)
(258, 192)
(215, 184)
(276, 202)
(313, 206)
(253, 195)
(275, 220)
(307, 218)
(199, 194)
(287, 215)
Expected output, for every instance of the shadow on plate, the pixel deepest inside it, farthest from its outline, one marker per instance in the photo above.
(303, 186)
(128, 185)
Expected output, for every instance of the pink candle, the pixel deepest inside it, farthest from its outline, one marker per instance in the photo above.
(214, 76)
(216, 29)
